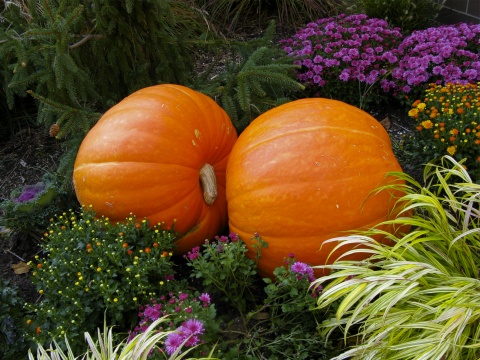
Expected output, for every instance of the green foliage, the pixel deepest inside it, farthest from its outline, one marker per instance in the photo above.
(223, 267)
(13, 344)
(418, 297)
(280, 323)
(88, 55)
(446, 120)
(91, 267)
(30, 207)
(408, 15)
(259, 77)
(285, 326)
(288, 13)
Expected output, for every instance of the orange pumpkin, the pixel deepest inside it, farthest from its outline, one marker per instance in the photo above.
(302, 173)
(160, 153)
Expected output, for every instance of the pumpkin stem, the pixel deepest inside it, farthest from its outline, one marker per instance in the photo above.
(208, 181)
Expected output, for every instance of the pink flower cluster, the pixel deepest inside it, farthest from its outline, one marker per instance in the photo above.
(366, 50)
(188, 332)
(195, 252)
(176, 306)
(345, 47)
(303, 271)
(445, 54)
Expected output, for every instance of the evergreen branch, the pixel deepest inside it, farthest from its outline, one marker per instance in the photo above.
(229, 106)
(275, 67)
(75, 13)
(273, 78)
(254, 58)
(256, 87)
(59, 106)
(45, 3)
(85, 39)
(243, 93)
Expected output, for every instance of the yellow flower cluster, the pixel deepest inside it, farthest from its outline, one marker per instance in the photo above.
(448, 121)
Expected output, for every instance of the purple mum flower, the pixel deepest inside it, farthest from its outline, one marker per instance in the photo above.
(173, 342)
(302, 269)
(194, 326)
(152, 312)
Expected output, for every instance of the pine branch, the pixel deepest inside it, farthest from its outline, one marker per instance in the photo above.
(85, 39)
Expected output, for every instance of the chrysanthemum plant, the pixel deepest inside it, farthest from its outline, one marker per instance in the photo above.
(224, 268)
(346, 58)
(281, 321)
(441, 55)
(191, 322)
(417, 298)
(90, 267)
(447, 123)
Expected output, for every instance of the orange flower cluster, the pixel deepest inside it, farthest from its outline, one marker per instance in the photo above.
(448, 121)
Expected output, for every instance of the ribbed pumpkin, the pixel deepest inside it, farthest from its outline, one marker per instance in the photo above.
(302, 173)
(157, 154)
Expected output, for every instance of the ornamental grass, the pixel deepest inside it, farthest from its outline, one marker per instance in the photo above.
(105, 347)
(418, 298)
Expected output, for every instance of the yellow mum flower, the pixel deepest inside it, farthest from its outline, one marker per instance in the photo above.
(413, 112)
(451, 150)
(427, 124)
(421, 106)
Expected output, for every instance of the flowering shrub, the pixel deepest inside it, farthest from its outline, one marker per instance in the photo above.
(448, 124)
(223, 267)
(189, 317)
(91, 269)
(439, 54)
(345, 57)
(296, 278)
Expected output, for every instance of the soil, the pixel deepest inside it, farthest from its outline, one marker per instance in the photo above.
(24, 158)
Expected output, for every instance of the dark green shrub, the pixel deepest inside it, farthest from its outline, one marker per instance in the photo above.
(408, 15)
(79, 56)
(13, 344)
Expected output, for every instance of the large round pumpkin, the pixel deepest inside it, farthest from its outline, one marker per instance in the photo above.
(302, 173)
(157, 154)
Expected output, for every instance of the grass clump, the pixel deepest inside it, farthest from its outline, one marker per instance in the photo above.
(417, 298)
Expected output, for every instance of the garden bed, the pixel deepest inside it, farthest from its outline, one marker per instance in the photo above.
(26, 156)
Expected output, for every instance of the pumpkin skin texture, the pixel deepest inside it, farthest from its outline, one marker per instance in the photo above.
(144, 156)
(302, 173)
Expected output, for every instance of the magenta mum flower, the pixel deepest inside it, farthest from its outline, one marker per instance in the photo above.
(173, 342)
(205, 298)
(152, 312)
(194, 326)
(302, 269)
